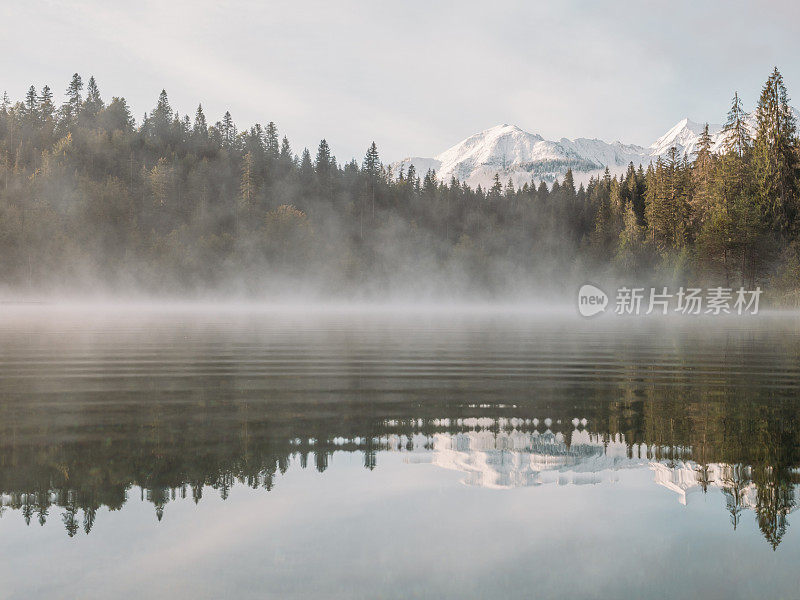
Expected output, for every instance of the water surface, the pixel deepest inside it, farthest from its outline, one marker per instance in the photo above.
(293, 454)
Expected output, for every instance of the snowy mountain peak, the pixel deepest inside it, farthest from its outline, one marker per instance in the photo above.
(500, 134)
(512, 153)
(523, 157)
(498, 149)
(683, 135)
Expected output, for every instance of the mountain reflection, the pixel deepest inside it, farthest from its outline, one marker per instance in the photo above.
(516, 458)
(69, 463)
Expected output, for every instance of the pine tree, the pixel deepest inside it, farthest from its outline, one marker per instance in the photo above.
(322, 164)
(32, 105)
(568, 185)
(306, 167)
(271, 141)
(702, 177)
(496, 191)
(775, 160)
(411, 176)
(508, 192)
(46, 107)
(736, 136)
(159, 123)
(372, 163)
(228, 130)
(253, 142)
(667, 210)
(200, 127)
(371, 167)
(72, 106)
(703, 153)
(633, 191)
(93, 103)
(286, 151)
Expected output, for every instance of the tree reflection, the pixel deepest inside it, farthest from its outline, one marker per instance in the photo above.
(746, 445)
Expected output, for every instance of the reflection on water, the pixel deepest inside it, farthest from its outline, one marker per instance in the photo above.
(512, 458)
(104, 411)
(493, 454)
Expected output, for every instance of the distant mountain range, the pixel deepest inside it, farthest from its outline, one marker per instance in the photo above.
(522, 157)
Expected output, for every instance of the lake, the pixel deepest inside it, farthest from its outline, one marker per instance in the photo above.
(254, 452)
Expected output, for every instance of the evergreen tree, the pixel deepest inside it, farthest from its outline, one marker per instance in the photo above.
(702, 175)
(411, 176)
(271, 141)
(46, 107)
(735, 132)
(306, 167)
(72, 106)
(200, 127)
(371, 167)
(568, 185)
(775, 160)
(496, 191)
(228, 130)
(159, 123)
(286, 150)
(509, 191)
(93, 103)
(322, 164)
(32, 105)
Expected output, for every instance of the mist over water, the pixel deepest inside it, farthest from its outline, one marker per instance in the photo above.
(307, 451)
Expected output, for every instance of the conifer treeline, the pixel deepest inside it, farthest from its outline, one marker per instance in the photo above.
(173, 204)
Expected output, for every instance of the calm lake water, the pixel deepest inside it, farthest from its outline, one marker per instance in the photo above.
(272, 454)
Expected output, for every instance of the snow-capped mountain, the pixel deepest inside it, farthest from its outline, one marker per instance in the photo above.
(685, 136)
(522, 157)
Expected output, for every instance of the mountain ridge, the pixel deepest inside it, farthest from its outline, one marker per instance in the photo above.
(524, 157)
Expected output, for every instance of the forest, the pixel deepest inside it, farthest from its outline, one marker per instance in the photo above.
(92, 201)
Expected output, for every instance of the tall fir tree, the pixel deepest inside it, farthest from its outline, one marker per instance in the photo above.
(228, 130)
(702, 176)
(72, 105)
(200, 127)
(371, 167)
(93, 103)
(775, 157)
(736, 134)
(46, 106)
(31, 105)
(271, 142)
(159, 122)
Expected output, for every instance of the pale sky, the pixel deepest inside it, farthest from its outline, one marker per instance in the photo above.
(415, 76)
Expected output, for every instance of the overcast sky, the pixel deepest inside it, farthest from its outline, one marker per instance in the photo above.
(415, 76)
